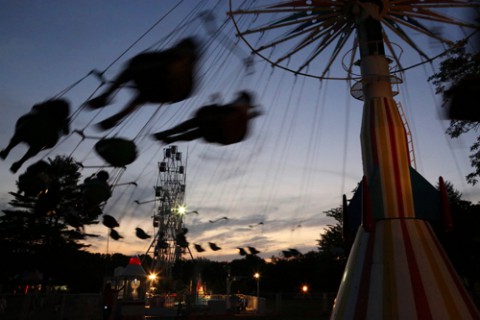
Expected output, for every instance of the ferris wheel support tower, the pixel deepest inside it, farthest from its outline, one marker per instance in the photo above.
(167, 245)
(397, 268)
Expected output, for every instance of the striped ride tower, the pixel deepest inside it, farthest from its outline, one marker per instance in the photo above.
(386, 161)
(397, 268)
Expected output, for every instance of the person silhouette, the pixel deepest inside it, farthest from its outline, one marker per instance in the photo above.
(159, 77)
(40, 129)
(222, 124)
(109, 296)
(96, 189)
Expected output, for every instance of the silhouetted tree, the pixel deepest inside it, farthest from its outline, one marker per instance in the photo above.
(331, 240)
(462, 245)
(45, 225)
(458, 65)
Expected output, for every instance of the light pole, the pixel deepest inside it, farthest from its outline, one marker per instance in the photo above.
(152, 277)
(256, 275)
(304, 290)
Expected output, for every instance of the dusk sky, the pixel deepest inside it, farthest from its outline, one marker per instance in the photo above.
(301, 156)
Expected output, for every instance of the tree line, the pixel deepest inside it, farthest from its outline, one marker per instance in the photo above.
(47, 247)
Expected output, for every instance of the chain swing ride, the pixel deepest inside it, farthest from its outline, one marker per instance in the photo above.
(396, 268)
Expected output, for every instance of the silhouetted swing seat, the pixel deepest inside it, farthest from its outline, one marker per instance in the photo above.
(224, 125)
(159, 77)
(116, 151)
(40, 129)
(141, 234)
(109, 221)
(96, 189)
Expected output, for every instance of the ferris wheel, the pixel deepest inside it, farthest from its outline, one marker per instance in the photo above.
(319, 38)
(169, 241)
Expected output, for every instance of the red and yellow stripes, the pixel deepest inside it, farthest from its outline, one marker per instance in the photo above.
(407, 276)
(418, 277)
(349, 293)
(385, 148)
